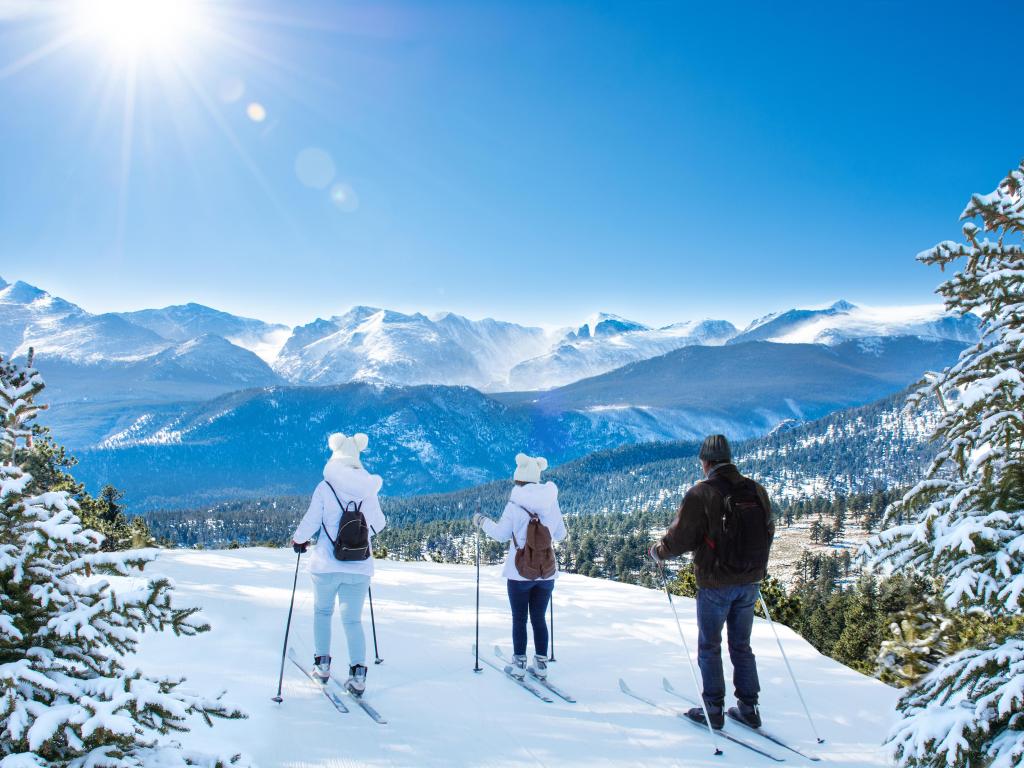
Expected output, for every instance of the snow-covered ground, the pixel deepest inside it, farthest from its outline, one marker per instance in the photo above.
(442, 714)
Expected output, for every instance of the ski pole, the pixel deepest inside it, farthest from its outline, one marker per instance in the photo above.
(287, 629)
(376, 656)
(552, 656)
(476, 646)
(693, 669)
(764, 607)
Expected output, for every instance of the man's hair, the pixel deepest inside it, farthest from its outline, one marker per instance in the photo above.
(716, 450)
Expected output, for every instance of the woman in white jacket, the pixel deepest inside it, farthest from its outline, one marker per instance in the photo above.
(527, 597)
(348, 581)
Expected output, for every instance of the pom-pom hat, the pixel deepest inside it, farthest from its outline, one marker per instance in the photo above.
(528, 468)
(345, 450)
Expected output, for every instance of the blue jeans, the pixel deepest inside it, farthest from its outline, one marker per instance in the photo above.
(734, 607)
(350, 590)
(530, 597)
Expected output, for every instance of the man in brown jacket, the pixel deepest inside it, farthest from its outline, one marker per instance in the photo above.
(726, 521)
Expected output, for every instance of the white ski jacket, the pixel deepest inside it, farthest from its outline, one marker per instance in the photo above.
(542, 500)
(350, 484)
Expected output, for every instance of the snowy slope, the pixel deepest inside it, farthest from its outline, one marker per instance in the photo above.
(844, 321)
(442, 714)
(605, 342)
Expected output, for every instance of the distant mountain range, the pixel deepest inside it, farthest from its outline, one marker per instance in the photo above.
(743, 390)
(189, 404)
(173, 354)
(429, 439)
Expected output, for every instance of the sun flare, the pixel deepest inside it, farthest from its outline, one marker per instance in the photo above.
(131, 29)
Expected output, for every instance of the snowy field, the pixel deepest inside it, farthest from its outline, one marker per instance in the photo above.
(442, 714)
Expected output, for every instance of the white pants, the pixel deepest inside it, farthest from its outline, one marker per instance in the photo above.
(350, 590)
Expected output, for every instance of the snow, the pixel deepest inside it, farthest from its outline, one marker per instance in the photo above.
(850, 322)
(442, 714)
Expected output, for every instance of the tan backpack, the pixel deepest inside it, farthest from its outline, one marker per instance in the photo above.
(536, 560)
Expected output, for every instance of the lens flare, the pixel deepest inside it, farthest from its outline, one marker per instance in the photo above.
(344, 197)
(256, 112)
(315, 168)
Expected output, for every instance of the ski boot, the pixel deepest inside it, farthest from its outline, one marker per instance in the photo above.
(540, 667)
(322, 668)
(715, 713)
(748, 714)
(518, 668)
(356, 683)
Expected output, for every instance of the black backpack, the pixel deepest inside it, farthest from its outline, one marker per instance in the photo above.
(353, 540)
(741, 544)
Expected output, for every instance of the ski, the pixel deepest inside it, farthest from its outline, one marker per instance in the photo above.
(521, 683)
(773, 739)
(727, 736)
(539, 680)
(332, 697)
(363, 704)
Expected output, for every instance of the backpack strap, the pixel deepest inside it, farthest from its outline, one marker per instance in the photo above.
(716, 484)
(533, 516)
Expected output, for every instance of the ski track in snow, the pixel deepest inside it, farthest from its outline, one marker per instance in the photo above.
(441, 713)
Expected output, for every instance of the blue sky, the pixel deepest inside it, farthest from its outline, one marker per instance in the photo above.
(524, 160)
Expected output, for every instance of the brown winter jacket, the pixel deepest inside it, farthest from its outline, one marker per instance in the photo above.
(702, 507)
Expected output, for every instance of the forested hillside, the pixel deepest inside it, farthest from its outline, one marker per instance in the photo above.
(861, 451)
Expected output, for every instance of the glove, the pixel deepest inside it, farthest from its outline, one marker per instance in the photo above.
(478, 519)
(653, 554)
(299, 549)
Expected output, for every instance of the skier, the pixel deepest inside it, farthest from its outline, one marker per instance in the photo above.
(346, 513)
(531, 521)
(726, 521)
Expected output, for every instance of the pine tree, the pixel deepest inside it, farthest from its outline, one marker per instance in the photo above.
(49, 464)
(67, 617)
(920, 640)
(964, 523)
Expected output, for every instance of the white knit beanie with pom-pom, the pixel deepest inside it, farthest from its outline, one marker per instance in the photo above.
(528, 468)
(345, 450)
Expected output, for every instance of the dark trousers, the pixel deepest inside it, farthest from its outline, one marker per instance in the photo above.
(732, 607)
(530, 597)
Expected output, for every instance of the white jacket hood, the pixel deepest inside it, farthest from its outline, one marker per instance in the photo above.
(536, 497)
(350, 481)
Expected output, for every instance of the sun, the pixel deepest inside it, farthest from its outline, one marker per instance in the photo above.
(132, 29)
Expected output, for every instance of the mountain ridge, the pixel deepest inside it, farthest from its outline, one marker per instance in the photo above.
(373, 344)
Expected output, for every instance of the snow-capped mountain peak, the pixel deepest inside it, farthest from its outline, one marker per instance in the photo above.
(843, 321)
(372, 344)
(182, 322)
(606, 324)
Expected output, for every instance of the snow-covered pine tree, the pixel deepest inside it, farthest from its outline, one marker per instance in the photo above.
(964, 522)
(68, 614)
